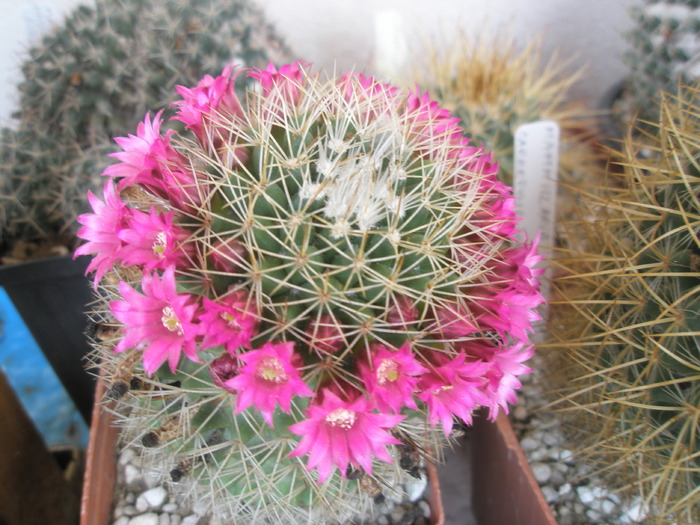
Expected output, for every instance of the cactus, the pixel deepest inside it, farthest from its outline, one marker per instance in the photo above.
(664, 51)
(93, 77)
(627, 327)
(493, 88)
(339, 269)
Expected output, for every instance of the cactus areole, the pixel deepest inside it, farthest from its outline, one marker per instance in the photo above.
(340, 269)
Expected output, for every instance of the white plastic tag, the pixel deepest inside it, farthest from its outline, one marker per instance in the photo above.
(536, 171)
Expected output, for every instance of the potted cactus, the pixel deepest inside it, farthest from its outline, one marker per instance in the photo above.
(664, 51)
(339, 268)
(72, 100)
(627, 302)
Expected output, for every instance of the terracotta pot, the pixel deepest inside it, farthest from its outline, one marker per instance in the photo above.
(101, 471)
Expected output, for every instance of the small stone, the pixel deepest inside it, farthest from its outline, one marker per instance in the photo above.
(542, 472)
(566, 456)
(152, 499)
(529, 444)
(163, 519)
(635, 513)
(425, 508)
(122, 521)
(145, 519)
(520, 413)
(192, 519)
(130, 510)
(127, 456)
(175, 519)
(550, 494)
(170, 508)
(415, 488)
(565, 489)
(132, 476)
(590, 494)
(382, 520)
(551, 438)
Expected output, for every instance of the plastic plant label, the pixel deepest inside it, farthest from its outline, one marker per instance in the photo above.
(535, 185)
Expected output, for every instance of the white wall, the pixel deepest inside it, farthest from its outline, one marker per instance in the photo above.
(377, 35)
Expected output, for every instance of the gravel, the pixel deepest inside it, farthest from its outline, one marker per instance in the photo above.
(574, 495)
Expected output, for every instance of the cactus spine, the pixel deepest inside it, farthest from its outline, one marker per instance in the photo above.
(627, 328)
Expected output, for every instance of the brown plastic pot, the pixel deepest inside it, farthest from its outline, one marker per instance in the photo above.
(101, 471)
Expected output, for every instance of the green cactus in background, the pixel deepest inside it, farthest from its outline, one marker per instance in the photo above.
(626, 330)
(93, 77)
(664, 51)
(342, 273)
(494, 87)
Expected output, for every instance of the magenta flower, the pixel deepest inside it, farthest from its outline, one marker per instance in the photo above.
(511, 312)
(159, 320)
(337, 433)
(152, 240)
(516, 266)
(101, 231)
(269, 378)
(227, 255)
(502, 378)
(224, 368)
(430, 122)
(391, 377)
(285, 81)
(454, 320)
(230, 321)
(324, 334)
(212, 102)
(402, 311)
(452, 388)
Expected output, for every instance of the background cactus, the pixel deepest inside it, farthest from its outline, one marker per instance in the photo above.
(93, 77)
(664, 51)
(341, 272)
(494, 86)
(627, 325)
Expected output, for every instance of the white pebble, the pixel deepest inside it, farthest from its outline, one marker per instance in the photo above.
(425, 508)
(145, 519)
(175, 519)
(163, 519)
(542, 472)
(192, 519)
(589, 494)
(529, 444)
(636, 513)
(550, 494)
(122, 521)
(520, 413)
(152, 499)
(565, 489)
(127, 456)
(415, 488)
(132, 475)
(170, 508)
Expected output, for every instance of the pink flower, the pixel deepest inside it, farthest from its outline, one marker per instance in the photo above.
(230, 321)
(224, 368)
(324, 334)
(430, 123)
(227, 255)
(452, 388)
(285, 82)
(454, 320)
(101, 229)
(516, 267)
(402, 311)
(159, 321)
(211, 104)
(391, 377)
(502, 377)
(270, 377)
(511, 312)
(152, 240)
(338, 433)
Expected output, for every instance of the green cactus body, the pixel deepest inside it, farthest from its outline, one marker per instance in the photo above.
(93, 77)
(316, 228)
(627, 324)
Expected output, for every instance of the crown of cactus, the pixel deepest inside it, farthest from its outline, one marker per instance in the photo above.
(628, 322)
(93, 77)
(665, 51)
(340, 270)
(493, 88)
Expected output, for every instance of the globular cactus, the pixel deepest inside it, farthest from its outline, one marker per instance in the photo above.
(494, 87)
(627, 324)
(339, 268)
(664, 51)
(94, 76)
